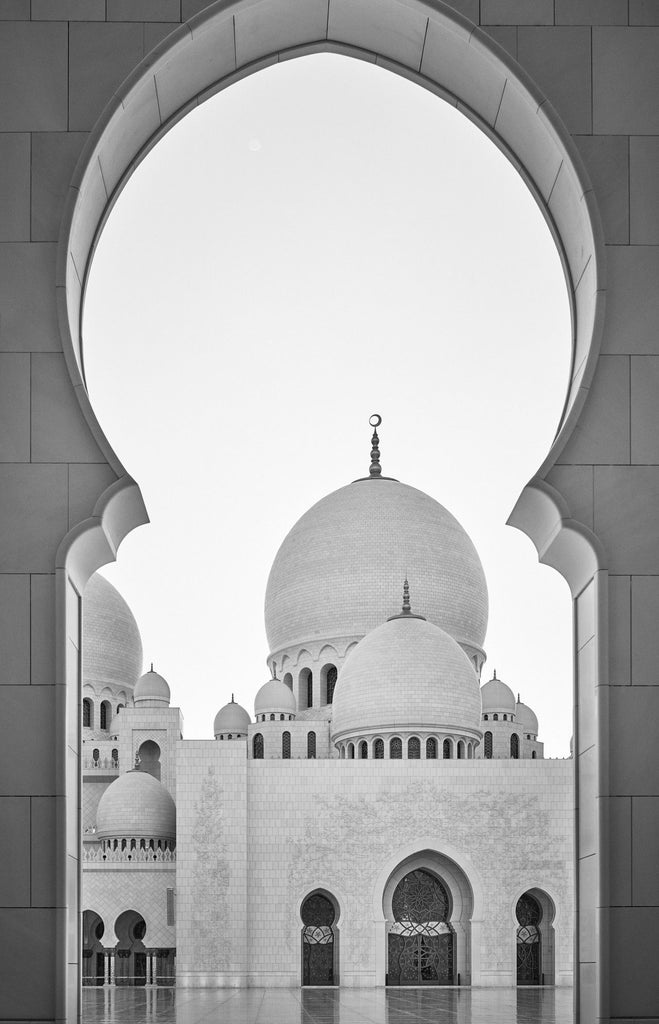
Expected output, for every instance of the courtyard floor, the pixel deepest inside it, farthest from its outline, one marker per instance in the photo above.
(327, 1006)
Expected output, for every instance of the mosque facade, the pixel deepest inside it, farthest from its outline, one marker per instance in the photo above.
(381, 819)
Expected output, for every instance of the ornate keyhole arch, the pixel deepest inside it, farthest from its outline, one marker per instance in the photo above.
(425, 42)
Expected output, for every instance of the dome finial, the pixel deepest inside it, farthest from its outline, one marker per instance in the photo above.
(495, 674)
(406, 611)
(407, 608)
(151, 669)
(375, 469)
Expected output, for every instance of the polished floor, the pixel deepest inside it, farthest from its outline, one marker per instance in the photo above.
(327, 1006)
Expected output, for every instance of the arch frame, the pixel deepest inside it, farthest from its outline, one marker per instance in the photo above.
(338, 903)
(183, 71)
(457, 869)
(550, 929)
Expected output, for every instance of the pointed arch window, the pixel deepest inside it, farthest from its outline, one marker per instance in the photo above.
(105, 714)
(431, 749)
(396, 748)
(514, 746)
(414, 748)
(378, 750)
(446, 750)
(487, 745)
(257, 747)
(311, 744)
(332, 675)
(286, 744)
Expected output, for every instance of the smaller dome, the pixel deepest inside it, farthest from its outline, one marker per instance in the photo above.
(526, 718)
(136, 806)
(497, 696)
(151, 690)
(275, 696)
(406, 674)
(232, 718)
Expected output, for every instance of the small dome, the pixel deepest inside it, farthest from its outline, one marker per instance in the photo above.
(151, 690)
(136, 806)
(526, 718)
(232, 718)
(275, 696)
(406, 674)
(111, 642)
(497, 696)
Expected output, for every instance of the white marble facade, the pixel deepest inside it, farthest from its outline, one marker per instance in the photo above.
(358, 770)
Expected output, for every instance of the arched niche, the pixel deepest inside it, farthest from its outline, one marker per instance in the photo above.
(461, 902)
(425, 42)
(548, 925)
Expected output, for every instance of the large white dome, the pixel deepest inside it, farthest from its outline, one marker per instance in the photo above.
(406, 674)
(111, 642)
(339, 570)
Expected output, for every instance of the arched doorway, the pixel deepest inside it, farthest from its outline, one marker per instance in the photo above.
(130, 952)
(319, 946)
(421, 941)
(529, 951)
(534, 939)
(93, 953)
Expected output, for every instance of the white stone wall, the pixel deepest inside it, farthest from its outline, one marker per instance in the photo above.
(163, 726)
(113, 888)
(255, 837)
(272, 738)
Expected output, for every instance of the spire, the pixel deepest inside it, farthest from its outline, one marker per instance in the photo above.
(407, 608)
(406, 611)
(375, 469)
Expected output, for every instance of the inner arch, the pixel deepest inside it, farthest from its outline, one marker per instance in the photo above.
(376, 276)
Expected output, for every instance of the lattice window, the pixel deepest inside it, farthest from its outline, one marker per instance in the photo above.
(431, 748)
(446, 749)
(378, 750)
(87, 713)
(311, 744)
(514, 745)
(395, 748)
(257, 746)
(414, 747)
(487, 741)
(363, 750)
(286, 744)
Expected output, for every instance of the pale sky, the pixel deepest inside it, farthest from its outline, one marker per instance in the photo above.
(322, 241)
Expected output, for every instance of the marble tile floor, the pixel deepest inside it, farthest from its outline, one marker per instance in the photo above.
(327, 1006)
